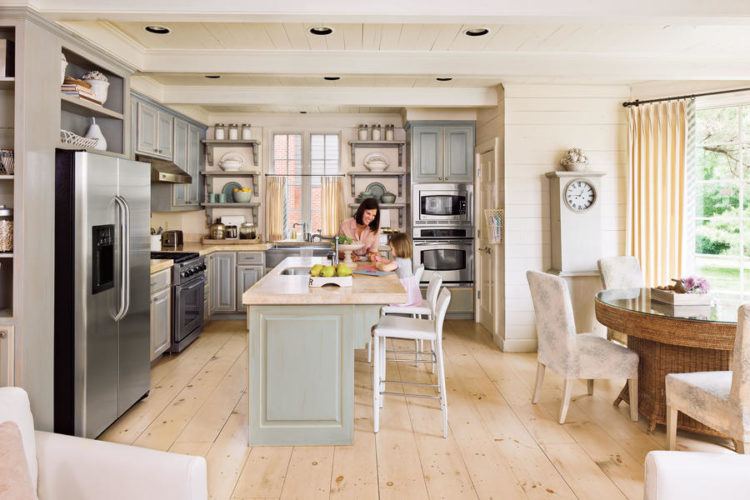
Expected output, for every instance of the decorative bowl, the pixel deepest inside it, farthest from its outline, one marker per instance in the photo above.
(348, 249)
(376, 162)
(388, 198)
(100, 89)
(231, 162)
(242, 196)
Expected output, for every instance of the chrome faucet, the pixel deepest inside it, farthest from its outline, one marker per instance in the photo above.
(305, 234)
(335, 242)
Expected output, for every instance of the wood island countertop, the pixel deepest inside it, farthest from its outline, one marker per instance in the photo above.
(278, 289)
(204, 250)
(160, 265)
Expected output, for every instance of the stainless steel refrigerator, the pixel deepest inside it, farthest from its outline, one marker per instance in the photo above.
(102, 308)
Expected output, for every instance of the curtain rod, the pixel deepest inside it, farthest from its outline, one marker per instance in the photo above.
(677, 98)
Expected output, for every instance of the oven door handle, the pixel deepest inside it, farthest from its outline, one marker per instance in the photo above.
(453, 243)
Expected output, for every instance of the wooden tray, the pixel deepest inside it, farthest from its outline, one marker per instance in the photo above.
(230, 241)
(680, 299)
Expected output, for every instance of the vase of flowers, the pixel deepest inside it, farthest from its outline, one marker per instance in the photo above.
(575, 161)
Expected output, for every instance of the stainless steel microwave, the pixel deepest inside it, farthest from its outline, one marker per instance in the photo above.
(442, 204)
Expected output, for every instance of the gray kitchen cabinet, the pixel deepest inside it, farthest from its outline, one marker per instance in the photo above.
(427, 154)
(224, 282)
(164, 137)
(146, 129)
(441, 151)
(458, 156)
(180, 158)
(161, 312)
(247, 276)
(207, 302)
(194, 159)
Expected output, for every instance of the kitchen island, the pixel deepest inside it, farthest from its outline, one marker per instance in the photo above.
(301, 345)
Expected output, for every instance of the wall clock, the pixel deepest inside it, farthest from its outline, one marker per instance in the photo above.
(575, 222)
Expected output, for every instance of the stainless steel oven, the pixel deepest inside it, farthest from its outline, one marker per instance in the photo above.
(442, 204)
(446, 251)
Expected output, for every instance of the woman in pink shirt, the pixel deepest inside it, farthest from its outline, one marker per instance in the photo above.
(365, 228)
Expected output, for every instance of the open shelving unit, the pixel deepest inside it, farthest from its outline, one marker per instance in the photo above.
(401, 145)
(76, 113)
(213, 143)
(400, 175)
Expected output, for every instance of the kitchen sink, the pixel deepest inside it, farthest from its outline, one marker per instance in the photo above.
(280, 251)
(295, 271)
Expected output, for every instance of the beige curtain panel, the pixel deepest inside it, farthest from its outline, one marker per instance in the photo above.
(657, 135)
(275, 193)
(332, 205)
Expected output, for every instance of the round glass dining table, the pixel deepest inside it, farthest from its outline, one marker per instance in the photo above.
(669, 339)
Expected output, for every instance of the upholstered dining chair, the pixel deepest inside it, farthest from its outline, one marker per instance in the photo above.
(720, 399)
(619, 272)
(574, 355)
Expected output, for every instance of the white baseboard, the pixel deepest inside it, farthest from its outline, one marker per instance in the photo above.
(516, 345)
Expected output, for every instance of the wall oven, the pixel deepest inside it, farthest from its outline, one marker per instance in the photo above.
(448, 251)
(442, 204)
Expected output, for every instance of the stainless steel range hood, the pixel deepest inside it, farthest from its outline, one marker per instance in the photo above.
(165, 171)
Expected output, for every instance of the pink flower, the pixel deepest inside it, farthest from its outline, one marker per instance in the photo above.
(696, 284)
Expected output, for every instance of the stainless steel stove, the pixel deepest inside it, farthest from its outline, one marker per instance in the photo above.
(188, 279)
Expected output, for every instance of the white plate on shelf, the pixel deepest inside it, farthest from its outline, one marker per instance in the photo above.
(376, 189)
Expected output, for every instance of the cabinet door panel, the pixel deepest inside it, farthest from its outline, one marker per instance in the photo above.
(459, 154)
(224, 282)
(164, 144)
(194, 158)
(146, 129)
(161, 322)
(427, 152)
(180, 191)
(247, 276)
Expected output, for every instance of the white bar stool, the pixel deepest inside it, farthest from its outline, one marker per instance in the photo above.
(424, 309)
(399, 327)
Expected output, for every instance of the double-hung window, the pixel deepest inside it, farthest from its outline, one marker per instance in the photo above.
(304, 157)
(720, 194)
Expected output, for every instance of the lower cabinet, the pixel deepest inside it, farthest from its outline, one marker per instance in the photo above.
(207, 291)
(6, 356)
(230, 274)
(161, 314)
(247, 276)
(224, 282)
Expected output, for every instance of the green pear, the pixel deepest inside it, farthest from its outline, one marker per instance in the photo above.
(328, 271)
(316, 270)
(343, 270)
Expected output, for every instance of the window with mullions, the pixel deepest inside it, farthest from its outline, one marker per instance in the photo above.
(721, 196)
(304, 158)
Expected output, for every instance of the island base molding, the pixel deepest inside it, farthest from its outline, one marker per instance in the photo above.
(301, 376)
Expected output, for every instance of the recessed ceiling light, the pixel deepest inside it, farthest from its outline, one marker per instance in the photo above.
(331, 78)
(213, 77)
(321, 30)
(444, 78)
(476, 32)
(158, 30)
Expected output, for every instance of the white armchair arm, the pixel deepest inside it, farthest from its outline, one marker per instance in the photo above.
(85, 469)
(680, 475)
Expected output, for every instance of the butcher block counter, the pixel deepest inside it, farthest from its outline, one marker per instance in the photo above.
(301, 344)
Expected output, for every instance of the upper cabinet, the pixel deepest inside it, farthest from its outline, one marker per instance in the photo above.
(164, 134)
(153, 131)
(441, 151)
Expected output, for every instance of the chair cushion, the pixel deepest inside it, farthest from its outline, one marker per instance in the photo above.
(15, 482)
(423, 308)
(705, 397)
(600, 358)
(14, 407)
(398, 327)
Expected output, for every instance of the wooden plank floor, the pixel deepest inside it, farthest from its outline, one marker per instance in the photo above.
(499, 445)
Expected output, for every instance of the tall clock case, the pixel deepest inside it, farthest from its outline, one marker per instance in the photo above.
(575, 222)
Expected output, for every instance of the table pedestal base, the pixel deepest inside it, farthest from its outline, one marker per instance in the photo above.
(656, 361)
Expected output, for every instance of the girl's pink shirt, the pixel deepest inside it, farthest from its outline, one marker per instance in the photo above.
(369, 237)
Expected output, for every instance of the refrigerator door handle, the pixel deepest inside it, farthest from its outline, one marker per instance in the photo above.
(124, 271)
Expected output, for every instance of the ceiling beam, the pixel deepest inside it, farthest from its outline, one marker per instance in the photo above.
(619, 67)
(339, 96)
(396, 11)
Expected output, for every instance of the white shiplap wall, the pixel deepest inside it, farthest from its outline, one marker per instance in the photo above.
(541, 122)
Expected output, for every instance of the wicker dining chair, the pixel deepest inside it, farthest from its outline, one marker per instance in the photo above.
(574, 355)
(719, 399)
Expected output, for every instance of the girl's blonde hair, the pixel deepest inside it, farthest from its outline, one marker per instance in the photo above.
(401, 244)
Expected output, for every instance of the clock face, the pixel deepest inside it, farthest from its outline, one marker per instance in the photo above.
(579, 195)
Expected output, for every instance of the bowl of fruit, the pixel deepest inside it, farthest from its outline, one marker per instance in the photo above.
(322, 275)
(242, 195)
(347, 245)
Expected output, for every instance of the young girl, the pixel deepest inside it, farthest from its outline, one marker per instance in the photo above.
(400, 244)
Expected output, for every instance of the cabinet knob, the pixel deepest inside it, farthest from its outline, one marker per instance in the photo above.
(3, 334)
